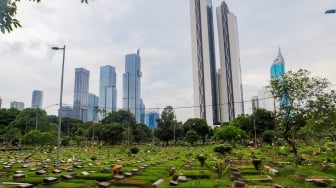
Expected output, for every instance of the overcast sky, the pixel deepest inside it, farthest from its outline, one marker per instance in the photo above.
(104, 31)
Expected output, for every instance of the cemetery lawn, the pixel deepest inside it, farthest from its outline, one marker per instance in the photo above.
(92, 167)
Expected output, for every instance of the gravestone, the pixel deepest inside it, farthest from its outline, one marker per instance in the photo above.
(182, 179)
(119, 177)
(128, 174)
(41, 172)
(104, 185)
(56, 171)
(173, 183)
(67, 176)
(50, 180)
(25, 185)
(157, 183)
(17, 176)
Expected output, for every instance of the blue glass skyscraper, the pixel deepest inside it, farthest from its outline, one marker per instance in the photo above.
(37, 99)
(92, 105)
(132, 85)
(278, 66)
(107, 89)
(81, 93)
(151, 118)
(278, 69)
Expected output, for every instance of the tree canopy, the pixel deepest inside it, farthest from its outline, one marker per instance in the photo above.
(295, 91)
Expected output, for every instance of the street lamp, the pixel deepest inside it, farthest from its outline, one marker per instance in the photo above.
(60, 107)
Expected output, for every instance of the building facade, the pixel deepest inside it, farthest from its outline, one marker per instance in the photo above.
(132, 85)
(0, 102)
(231, 89)
(66, 112)
(93, 108)
(17, 105)
(203, 61)
(150, 119)
(278, 69)
(107, 90)
(81, 94)
(37, 99)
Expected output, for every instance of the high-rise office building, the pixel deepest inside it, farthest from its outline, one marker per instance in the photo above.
(17, 105)
(81, 93)
(142, 112)
(203, 61)
(37, 99)
(254, 103)
(93, 107)
(231, 89)
(0, 102)
(107, 90)
(132, 85)
(278, 66)
(66, 112)
(151, 118)
(278, 69)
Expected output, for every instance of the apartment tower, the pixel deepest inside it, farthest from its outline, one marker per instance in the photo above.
(203, 61)
(230, 88)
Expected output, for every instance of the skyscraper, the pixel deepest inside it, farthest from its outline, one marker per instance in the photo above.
(278, 69)
(107, 90)
(132, 84)
(231, 89)
(93, 107)
(17, 105)
(0, 102)
(151, 118)
(278, 66)
(81, 93)
(203, 61)
(37, 99)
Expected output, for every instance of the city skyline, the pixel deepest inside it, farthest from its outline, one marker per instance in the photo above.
(120, 27)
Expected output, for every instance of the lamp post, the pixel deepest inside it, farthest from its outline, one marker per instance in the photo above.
(60, 108)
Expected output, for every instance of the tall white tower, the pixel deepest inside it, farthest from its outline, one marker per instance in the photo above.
(203, 61)
(231, 90)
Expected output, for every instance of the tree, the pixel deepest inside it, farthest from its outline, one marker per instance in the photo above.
(191, 137)
(167, 125)
(8, 115)
(110, 133)
(8, 11)
(28, 120)
(294, 91)
(199, 125)
(9, 135)
(230, 133)
(120, 116)
(142, 133)
(269, 136)
(323, 114)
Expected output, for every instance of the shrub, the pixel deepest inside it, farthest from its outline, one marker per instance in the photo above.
(223, 148)
(94, 158)
(201, 158)
(134, 150)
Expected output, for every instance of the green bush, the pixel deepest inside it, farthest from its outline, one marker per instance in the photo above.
(223, 148)
(134, 150)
